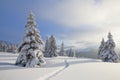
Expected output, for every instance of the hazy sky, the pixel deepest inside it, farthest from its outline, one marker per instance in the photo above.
(79, 23)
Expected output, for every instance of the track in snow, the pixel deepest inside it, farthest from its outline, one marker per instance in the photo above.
(58, 71)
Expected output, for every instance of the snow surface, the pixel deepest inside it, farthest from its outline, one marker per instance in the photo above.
(59, 68)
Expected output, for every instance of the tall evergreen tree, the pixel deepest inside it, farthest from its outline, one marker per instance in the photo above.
(72, 53)
(52, 47)
(62, 51)
(101, 48)
(30, 53)
(109, 54)
(47, 47)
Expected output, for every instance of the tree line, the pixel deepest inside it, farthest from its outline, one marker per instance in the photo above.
(7, 47)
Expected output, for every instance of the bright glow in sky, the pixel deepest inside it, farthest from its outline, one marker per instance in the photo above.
(79, 23)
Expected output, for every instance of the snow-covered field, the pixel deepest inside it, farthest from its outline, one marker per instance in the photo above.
(60, 68)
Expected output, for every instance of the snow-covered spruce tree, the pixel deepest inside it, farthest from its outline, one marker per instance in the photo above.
(62, 51)
(71, 53)
(30, 53)
(52, 47)
(47, 47)
(109, 54)
(101, 48)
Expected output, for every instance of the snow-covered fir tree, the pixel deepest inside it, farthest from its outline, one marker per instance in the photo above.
(101, 48)
(72, 53)
(108, 54)
(30, 53)
(52, 47)
(47, 47)
(62, 51)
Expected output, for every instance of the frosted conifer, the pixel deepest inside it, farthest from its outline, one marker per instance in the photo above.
(62, 51)
(71, 53)
(47, 47)
(52, 47)
(30, 53)
(109, 54)
(101, 48)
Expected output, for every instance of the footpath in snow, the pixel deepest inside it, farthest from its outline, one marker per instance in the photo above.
(89, 69)
(60, 68)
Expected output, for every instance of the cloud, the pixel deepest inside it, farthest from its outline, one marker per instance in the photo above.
(74, 13)
(90, 20)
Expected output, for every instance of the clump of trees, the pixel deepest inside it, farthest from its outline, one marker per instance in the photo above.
(106, 50)
(7, 47)
(72, 53)
(50, 47)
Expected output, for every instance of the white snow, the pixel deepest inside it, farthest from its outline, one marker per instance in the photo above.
(59, 68)
(9, 71)
(88, 69)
